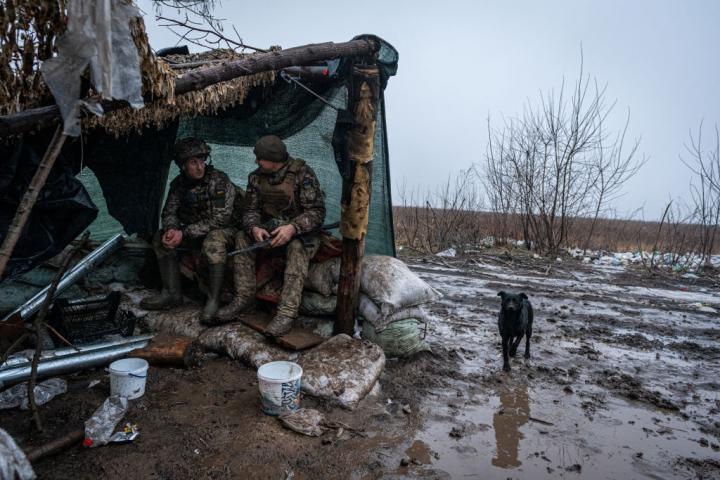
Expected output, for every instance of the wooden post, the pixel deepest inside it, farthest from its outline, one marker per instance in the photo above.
(355, 202)
(26, 204)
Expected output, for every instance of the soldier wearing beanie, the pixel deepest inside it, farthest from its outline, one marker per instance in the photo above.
(198, 214)
(283, 199)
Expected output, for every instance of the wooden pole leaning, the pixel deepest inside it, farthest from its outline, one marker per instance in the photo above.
(30, 197)
(355, 201)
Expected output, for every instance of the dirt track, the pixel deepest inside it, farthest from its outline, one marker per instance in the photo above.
(622, 383)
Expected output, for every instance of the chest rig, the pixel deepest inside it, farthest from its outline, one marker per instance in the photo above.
(198, 200)
(277, 197)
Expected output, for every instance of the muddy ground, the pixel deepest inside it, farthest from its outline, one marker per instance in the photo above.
(624, 382)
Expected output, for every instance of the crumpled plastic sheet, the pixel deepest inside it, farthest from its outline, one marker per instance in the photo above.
(305, 420)
(99, 427)
(17, 396)
(13, 463)
(98, 34)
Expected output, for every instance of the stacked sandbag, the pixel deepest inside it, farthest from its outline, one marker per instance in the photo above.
(390, 301)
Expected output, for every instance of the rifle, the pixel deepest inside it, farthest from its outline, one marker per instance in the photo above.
(267, 241)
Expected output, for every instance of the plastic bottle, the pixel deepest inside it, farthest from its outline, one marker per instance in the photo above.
(99, 427)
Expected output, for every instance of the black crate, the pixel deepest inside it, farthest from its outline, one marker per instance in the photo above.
(90, 319)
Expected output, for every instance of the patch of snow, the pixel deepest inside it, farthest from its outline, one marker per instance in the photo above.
(450, 253)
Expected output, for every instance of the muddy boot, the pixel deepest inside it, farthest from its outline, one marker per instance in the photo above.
(171, 294)
(279, 326)
(244, 279)
(288, 307)
(217, 274)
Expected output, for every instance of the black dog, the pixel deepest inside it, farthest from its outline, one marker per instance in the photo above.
(514, 321)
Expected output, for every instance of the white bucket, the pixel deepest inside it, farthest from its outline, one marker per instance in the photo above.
(127, 377)
(279, 384)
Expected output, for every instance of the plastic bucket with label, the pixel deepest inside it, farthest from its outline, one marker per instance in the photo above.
(279, 384)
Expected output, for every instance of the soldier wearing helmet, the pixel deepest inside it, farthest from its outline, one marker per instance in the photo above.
(283, 199)
(198, 215)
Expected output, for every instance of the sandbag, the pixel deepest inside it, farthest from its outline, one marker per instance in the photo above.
(343, 370)
(323, 277)
(389, 283)
(320, 326)
(316, 304)
(400, 339)
(244, 344)
(371, 313)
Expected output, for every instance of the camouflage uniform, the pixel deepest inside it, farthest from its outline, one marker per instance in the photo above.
(203, 211)
(293, 196)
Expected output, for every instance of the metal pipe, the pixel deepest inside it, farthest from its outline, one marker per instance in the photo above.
(71, 363)
(20, 359)
(95, 257)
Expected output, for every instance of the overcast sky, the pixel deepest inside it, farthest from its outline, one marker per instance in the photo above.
(462, 61)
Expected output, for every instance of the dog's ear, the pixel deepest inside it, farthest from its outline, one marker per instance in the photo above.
(501, 294)
(522, 295)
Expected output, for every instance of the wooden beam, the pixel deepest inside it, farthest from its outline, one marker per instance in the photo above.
(38, 118)
(355, 202)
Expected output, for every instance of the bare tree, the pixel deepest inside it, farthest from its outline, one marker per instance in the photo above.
(705, 165)
(196, 23)
(558, 163)
(613, 167)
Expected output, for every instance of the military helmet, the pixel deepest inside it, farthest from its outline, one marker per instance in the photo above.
(271, 148)
(190, 147)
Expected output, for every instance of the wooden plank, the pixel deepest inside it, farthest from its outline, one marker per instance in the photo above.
(296, 339)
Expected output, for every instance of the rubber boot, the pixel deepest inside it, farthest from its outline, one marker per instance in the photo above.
(171, 294)
(217, 274)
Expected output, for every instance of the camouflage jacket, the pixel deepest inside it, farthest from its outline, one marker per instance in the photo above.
(292, 195)
(205, 206)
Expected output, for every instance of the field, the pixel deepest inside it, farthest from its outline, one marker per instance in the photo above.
(622, 383)
(432, 229)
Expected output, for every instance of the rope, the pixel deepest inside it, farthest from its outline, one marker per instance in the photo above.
(285, 76)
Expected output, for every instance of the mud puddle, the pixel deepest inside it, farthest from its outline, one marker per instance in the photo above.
(622, 383)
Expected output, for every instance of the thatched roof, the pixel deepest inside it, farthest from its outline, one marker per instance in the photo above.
(23, 88)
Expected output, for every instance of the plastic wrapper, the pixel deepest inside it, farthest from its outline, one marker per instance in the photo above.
(13, 463)
(17, 396)
(126, 435)
(99, 427)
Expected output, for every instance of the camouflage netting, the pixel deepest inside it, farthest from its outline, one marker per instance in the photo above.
(128, 151)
